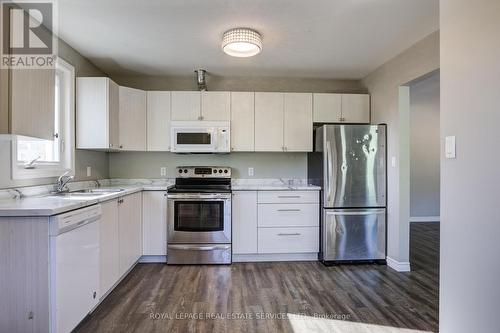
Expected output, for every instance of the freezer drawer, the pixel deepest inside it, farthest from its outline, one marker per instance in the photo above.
(354, 234)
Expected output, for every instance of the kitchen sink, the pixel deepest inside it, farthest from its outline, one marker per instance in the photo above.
(100, 190)
(87, 193)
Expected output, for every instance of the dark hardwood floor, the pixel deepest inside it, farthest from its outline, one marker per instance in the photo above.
(256, 297)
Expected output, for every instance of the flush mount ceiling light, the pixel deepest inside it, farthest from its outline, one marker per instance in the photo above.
(241, 42)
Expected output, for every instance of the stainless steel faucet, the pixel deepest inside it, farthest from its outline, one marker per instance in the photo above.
(63, 180)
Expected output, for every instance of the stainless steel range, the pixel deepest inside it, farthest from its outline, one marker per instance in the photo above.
(199, 216)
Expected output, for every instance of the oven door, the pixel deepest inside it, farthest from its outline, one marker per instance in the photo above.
(199, 218)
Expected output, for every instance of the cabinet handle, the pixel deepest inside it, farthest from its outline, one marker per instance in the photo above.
(121, 146)
(288, 210)
(289, 196)
(94, 295)
(291, 234)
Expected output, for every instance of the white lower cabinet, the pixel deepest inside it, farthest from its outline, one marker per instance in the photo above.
(275, 222)
(108, 246)
(244, 218)
(129, 230)
(154, 223)
(289, 240)
(288, 215)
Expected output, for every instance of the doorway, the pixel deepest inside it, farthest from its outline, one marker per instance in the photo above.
(424, 173)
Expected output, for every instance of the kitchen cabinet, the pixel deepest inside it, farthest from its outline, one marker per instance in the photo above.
(158, 120)
(288, 222)
(97, 112)
(356, 108)
(244, 222)
(154, 222)
(268, 121)
(186, 105)
(132, 119)
(215, 105)
(298, 122)
(129, 230)
(288, 240)
(109, 246)
(242, 121)
(327, 108)
(32, 109)
(335, 108)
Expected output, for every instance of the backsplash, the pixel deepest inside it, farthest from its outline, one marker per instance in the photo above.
(265, 165)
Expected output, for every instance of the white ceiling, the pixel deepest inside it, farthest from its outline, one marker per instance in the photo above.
(302, 38)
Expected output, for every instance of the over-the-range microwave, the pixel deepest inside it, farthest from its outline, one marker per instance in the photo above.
(200, 136)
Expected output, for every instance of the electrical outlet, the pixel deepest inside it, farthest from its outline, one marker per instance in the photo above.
(163, 171)
(250, 171)
(89, 171)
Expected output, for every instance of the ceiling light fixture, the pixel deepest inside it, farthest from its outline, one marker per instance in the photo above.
(241, 42)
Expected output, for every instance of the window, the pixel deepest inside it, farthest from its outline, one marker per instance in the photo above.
(37, 158)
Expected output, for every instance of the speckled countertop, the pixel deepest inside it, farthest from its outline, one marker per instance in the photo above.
(38, 200)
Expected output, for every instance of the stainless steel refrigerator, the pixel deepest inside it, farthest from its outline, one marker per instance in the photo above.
(349, 163)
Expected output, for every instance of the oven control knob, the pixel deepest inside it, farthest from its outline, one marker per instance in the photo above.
(220, 171)
(180, 171)
(185, 171)
(225, 171)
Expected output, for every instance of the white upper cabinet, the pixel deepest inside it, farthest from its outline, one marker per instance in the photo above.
(32, 109)
(216, 105)
(186, 105)
(327, 108)
(158, 120)
(132, 119)
(242, 121)
(268, 121)
(335, 108)
(298, 122)
(356, 108)
(97, 105)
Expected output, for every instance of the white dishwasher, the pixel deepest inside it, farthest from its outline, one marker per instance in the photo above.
(74, 246)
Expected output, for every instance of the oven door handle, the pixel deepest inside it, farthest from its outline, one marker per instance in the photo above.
(199, 248)
(199, 197)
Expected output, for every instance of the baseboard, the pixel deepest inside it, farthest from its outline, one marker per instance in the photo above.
(275, 257)
(153, 259)
(425, 218)
(398, 266)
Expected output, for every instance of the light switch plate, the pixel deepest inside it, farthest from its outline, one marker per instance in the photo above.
(250, 171)
(89, 171)
(393, 161)
(163, 171)
(450, 147)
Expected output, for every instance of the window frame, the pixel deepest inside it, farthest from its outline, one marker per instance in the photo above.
(66, 135)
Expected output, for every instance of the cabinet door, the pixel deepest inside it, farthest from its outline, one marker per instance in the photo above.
(130, 230)
(158, 120)
(97, 113)
(327, 108)
(216, 105)
(113, 109)
(242, 121)
(298, 122)
(244, 219)
(186, 105)
(356, 108)
(109, 247)
(154, 223)
(32, 109)
(268, 121)
(132, 119)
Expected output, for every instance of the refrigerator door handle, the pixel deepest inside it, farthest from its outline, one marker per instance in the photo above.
(367, 212)
(329, 171)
